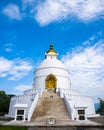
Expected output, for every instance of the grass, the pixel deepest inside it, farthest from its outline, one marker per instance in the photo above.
(13, 127)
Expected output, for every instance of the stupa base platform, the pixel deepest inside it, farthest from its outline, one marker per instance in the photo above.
(64, 122)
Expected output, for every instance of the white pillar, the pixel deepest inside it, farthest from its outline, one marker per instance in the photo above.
(85, 115)
(24, 115)
(77, 116)
(15, 114)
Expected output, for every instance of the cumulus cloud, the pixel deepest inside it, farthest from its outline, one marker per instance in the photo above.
(91, 9)
(47, 11)
(12, 11)
(86, 66)
(55, 10)
(15, 69)
(5, 65)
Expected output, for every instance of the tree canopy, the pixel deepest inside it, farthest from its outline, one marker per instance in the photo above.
(4, 102)
(101, 107)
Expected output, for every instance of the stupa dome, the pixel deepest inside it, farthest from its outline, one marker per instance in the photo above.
(51, 67)
(51, 63)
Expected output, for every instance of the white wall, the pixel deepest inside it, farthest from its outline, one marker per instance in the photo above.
(62, 76)
(22, 99)
(78, 101)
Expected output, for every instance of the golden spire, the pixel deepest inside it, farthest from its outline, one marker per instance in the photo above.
(51, 50)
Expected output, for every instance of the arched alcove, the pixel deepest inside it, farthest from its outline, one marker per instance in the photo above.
(51, 81)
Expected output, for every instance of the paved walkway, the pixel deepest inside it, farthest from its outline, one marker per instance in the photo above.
(58, 123)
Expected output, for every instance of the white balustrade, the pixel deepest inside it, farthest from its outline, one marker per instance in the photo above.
(31, 110)
(68, 91)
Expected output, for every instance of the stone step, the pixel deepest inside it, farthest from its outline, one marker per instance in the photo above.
(50, 105)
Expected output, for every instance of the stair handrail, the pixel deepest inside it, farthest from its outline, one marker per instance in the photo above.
(69, 108)
(31, 110)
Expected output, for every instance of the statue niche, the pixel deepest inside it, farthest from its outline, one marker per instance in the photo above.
(51, 82)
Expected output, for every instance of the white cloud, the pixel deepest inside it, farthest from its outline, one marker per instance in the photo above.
(30, 2)
(8, 50)
(15, 69)
(8, 47)
(26, 4)
(91, 39)
(22, 87)
(5, 65)
(87, 69)
(12, 11)
(55, 10)
(47, 11)
(90, 9)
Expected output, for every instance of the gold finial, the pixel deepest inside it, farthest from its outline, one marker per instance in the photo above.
(51, 50)
(51, 46)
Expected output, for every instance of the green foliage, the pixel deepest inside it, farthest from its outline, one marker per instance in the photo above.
(101, 107)
(13, 127)
(4, 102)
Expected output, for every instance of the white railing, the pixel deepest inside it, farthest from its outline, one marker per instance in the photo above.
(68, 91)
(78, 97)
(32, 91)
(68, 107)
(31, 110)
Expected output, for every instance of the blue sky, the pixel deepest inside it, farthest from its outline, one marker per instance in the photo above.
(76, 29)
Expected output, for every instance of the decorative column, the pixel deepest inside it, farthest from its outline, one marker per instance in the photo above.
(77, 116)
(15, 114)
(24, 115)
(85, 115)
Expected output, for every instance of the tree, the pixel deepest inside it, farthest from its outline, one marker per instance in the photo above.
(4, 102)
(101, 107)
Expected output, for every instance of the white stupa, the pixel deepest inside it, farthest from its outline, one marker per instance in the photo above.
(51, 67)
(51, 76)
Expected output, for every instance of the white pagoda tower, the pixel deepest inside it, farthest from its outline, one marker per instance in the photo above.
(51, 80)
